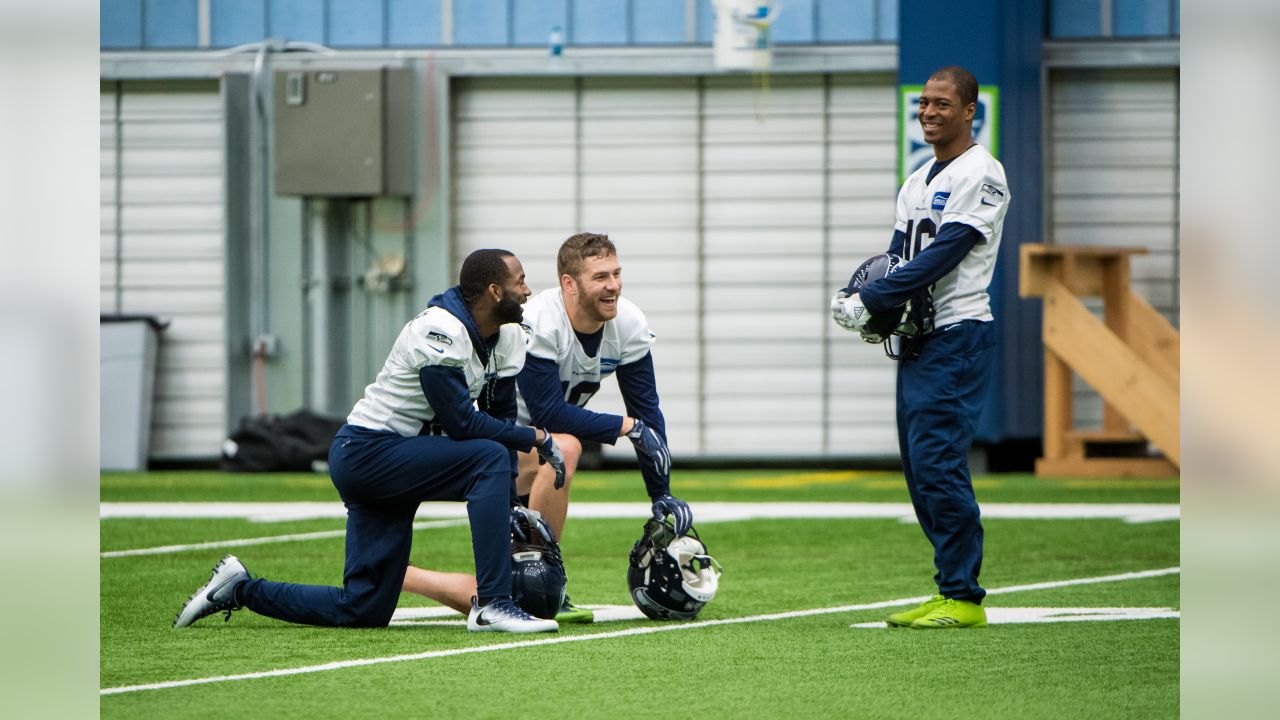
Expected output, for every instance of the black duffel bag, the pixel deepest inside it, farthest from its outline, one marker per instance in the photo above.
(279, 443)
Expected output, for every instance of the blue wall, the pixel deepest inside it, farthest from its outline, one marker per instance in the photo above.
(1129, 18)
(168, 24)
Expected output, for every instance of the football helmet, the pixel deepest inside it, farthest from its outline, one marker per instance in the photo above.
(671, 578)
(537, 569)
(909, 320)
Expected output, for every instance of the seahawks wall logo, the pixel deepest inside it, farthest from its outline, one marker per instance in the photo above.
(440, 338)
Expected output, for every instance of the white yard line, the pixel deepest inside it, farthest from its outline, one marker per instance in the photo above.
(705, 512)
(318, 535)
(645, 630)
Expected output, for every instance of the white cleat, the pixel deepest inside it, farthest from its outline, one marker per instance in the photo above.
(506, 616)
(217, 595)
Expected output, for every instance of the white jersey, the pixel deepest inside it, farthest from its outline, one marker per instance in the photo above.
(395, 400)
(971, 190)
(627, 338)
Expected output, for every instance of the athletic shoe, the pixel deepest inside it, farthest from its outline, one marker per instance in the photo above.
(952, 613)
(217, 595)
(570, 613)
(906, 617)
(505, 616)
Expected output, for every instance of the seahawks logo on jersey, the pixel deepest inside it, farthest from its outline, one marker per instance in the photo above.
(440, 338)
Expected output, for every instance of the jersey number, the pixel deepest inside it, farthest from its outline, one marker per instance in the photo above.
(581, 392)
(914, 242)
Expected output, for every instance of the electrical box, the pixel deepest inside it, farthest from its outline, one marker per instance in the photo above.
(344, 132)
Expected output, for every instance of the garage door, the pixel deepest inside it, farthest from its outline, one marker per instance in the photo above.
(736, 209)
(162, 247)
(1114, 180)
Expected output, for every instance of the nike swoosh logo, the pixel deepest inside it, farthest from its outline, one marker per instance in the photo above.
(984, 202)
(480, 619)
(436, 349)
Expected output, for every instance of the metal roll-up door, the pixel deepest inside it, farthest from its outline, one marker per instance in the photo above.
(162, 248)
(736, 209)
(1114, 180)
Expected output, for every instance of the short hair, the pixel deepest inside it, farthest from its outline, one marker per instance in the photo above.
(481, 269)
(966, 84)
(575, 251)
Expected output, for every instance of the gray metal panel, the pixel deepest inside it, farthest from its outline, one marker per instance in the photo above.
(238, 187)
(168, 211)
(330, 141)
(399, 150)
(1113, 180)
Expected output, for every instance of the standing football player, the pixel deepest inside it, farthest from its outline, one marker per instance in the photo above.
(580, 333)
(950, 216)
(417, 435)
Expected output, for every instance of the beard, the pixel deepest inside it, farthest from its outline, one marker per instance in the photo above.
(508, 310)
(591, 309)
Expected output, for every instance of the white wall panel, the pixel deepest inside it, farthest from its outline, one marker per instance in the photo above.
(1113, 181)
(768, 198)
(169, 252)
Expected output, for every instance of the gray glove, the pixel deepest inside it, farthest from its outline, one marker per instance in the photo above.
(549, 453)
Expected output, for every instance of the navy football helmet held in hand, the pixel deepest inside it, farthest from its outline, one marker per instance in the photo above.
(877, 327)
(909, 320)
(537, 570)
(671, 578)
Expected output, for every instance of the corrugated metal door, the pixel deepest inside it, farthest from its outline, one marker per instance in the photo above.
(1114, 180)
(736, 210)
(162, 247)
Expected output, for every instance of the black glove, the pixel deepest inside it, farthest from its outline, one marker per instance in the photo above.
(676, 508)
(549, 453)
(651, 449)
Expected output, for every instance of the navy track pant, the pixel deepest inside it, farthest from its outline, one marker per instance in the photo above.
(382, 477)
(940, 397)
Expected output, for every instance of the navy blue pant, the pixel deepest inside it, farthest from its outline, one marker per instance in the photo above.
(940, 397)
(382, 477)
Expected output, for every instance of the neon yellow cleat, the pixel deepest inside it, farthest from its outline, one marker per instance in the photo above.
(906, 617)
(570, 613)
(952, 613)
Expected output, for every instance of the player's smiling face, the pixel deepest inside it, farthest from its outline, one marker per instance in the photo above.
(942, 116)
(598, 286)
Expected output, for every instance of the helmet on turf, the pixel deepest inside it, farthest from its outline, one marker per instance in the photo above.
(537, 570)
(671, 578)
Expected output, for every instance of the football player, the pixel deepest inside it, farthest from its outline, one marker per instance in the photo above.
(580, 333)
(417, 435)
(950, 216)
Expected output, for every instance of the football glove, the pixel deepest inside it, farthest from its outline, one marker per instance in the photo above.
(650, 448)
(548, 452)
(675, 507)
(849, 313)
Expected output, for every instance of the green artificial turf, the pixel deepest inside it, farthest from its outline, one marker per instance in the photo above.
(830, 485)
(799, 667)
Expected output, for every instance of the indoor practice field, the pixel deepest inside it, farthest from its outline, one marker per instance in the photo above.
(1083, 579)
